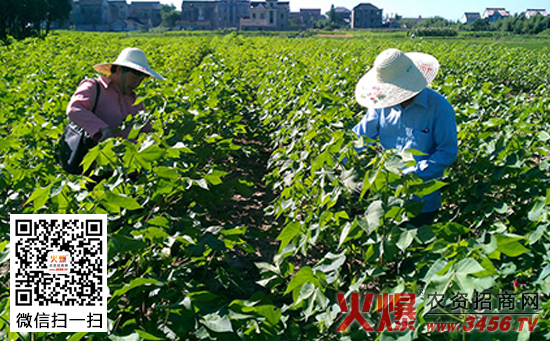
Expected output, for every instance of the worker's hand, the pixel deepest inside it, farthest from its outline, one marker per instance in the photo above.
(356, 193)
(105, 134)
(358, 189)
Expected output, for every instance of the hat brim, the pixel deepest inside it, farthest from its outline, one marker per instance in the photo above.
(105, 68)
(370, 92)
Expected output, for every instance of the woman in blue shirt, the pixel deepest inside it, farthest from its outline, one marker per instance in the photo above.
(405, 114)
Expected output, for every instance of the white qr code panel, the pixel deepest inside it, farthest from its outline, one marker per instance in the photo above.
(58, 272)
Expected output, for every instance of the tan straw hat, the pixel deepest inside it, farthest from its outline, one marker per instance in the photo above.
(395, 77)
(132, 58)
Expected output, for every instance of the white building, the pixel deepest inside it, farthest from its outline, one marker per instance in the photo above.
(494, 14)
(534, 12)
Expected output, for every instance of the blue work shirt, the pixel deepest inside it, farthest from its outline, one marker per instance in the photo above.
(427, 124)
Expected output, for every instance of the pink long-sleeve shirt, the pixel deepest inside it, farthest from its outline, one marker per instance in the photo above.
(111, 110)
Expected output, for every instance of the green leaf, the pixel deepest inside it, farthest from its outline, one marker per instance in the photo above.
(5, 251)
(77, 336)
(167, 173)
(40, 196)
(305, 275)
(425, 188)
(406, 239)
(513, 249)
(501, 208)
(544, 136)
(464, 283)
(121, 243)
(217, 323)
(491, 247)
(89, 159)
(305, 292)
(288, 233)
(348, 227)
(270, 312)
(118, 200)
(538, 210)
(214, 178)
(146, 336)
(439, 265)
(131, 337)
(371, 252)
(468, 266)
(488, 266)
(201, 183)
(155, 234)
(536, 235)
(375, 212)
(331, 262)
(509, 245)
(150, 154)
(440, 284)
(135, 283)
(425, 234)
(158, 221)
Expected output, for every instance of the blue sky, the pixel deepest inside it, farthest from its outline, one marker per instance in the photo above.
(452, 10)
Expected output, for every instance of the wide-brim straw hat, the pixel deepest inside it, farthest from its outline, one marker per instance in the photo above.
(132, 58)
(395, 77)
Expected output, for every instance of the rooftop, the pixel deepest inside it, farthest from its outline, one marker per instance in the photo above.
(492, 11)
(341, 9)
(366, 5)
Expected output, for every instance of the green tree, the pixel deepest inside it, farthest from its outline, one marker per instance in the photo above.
(25, 18)
(332, 14)
(435, 22)
(519, 24)
(58, 11)
(479, 25)
(169, 15)
(406, 23)
(334, 21)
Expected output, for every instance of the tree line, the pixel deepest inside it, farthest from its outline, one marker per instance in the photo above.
(26, 18)
(518, 24)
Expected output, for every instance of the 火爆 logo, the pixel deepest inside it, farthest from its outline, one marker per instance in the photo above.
(514, 312)
(58, 262)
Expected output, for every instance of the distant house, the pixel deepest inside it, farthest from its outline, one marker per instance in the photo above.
(147, 12)
(310, 14)
(126, 25)
(407, 21)
(114, 15)
(366, 15)
(230, 12)
(494, 14)
(470, 17)
(534, 12)
(295, 19)
(344, 13)
(267, 15)
(133, 26)
(119, 9)
(306, 18)
(90, 15)
(200, 14)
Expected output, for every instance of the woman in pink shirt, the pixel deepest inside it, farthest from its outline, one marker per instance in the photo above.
(116, 97)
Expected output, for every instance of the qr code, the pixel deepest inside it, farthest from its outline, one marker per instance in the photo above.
(58, 272)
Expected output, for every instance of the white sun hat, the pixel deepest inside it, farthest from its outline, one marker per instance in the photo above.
(395, 77)
(132, 58)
